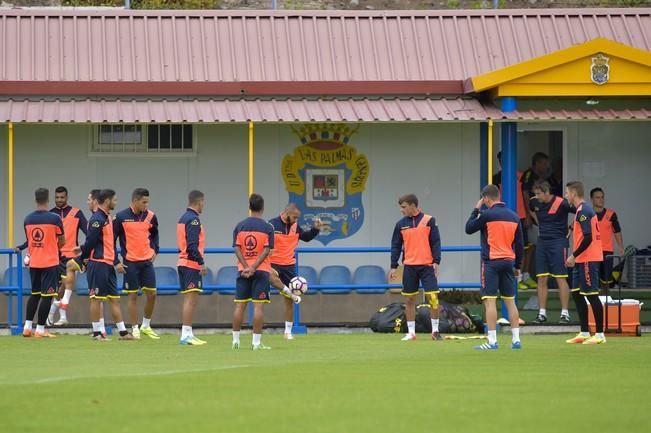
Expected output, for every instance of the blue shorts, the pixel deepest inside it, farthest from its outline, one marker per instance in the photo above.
(45, 281)
(102, 281)
(586, 278)
(497, 277)
(550, 258)
(414, 275)
(255, 288)
(606, 268)
(62, 268)
(139, 275)
(190, 279)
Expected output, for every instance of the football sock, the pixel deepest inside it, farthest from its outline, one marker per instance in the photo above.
(257, 338)
(288, 327)
(492, 337)
(435, 325)
(411, 326)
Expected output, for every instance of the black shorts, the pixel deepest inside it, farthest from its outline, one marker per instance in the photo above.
(285, 272)
(497, 277)
(44, 281)
(414, 275)
(606, 268)
(139, 275)
(190, 279)
(102, 281)
(586, 278)
(550, 258)
(255, 288)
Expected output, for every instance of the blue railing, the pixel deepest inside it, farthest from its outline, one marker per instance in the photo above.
(16, 287)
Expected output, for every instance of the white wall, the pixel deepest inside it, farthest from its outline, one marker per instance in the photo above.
(438, 162)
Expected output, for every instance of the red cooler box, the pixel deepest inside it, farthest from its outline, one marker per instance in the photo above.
(630, 317)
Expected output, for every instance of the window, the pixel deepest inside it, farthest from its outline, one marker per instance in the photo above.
(153, 138)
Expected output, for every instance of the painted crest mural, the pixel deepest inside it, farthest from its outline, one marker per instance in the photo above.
(326, 176)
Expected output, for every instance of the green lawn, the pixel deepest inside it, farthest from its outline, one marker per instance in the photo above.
(324, 383)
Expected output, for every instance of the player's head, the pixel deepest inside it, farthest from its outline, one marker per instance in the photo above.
(140, 199)
(256, 203)
(91, 201)
(61, 196)
(42, 197)
(196, 200)
(574, 192)
(598, 197)
(490, 194)
(408, 204)
(542, 191)
(292, 213)
(107, 199)
(540, 163)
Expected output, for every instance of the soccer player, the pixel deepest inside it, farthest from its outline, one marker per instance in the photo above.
(418, 233)
(74, 222)
(190, 237)
(99, 250)
(136, 228)
(537, 171)
(45, 236)
(287, 233)
(609, 227)
(551, 248)
(253, 239)
(587, 255)
(501, 254)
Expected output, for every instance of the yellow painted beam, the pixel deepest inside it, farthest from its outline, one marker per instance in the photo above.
(553, 60)
(573, 89)
(10, 185)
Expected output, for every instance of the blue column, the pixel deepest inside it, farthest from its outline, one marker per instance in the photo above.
(483, 154)
(509, 165)
(509, 155)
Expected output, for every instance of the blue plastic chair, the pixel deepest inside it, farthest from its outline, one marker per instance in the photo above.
(167, 280)
(333, 275)
(81, 284)
(311, 276)
(12, 274)
(225, 279)
(369, 274)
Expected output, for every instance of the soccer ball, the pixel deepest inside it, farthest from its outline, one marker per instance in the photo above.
(298, 285)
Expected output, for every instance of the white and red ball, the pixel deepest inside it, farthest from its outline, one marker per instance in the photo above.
(298, 285)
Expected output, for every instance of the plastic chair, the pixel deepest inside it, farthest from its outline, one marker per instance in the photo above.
(334, 275)
(167, 280)
(369, 274)
(12, 274)
(225, 280)
(311, 276)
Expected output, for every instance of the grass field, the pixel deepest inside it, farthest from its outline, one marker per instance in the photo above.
(324, 383)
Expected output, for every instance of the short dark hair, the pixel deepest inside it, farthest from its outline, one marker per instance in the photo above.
(538, 156)
(195, 196)
(94, 194)
(577, 187)
(256, 203)
(42, 195)
(409, 199)
(139, 193)
(491, 191)
(61, 189)
(593, 191)
(105, 194)
(541, 185)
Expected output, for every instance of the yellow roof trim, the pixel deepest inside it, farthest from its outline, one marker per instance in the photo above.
(600, 45)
